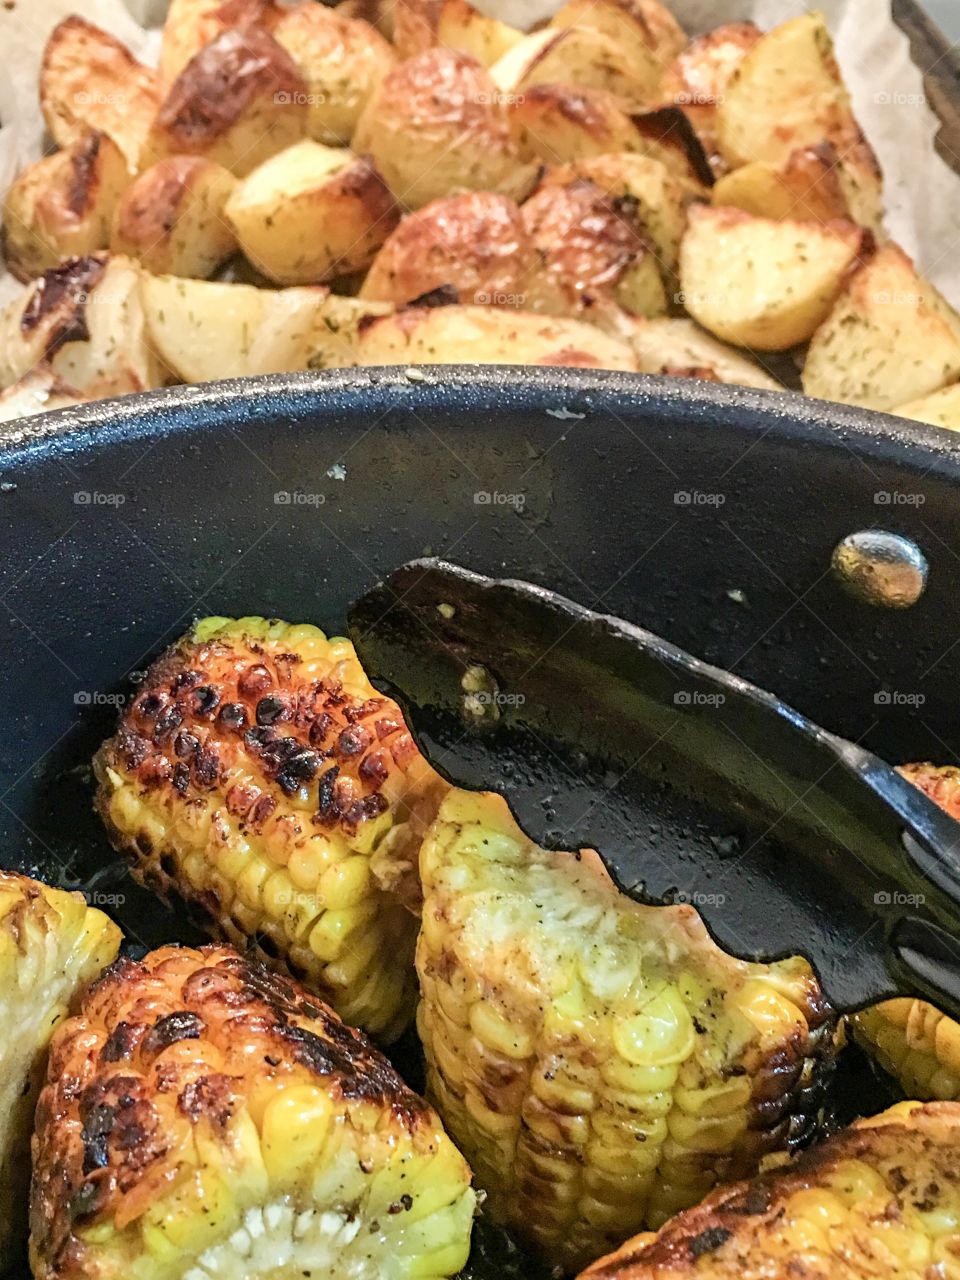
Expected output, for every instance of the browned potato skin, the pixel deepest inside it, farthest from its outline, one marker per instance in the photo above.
(475, 242)
(807, 186)
(90, 81)
(558, 123)
(159, 222)
(240, 100)
(455, 24)
(381, 14)
(61, 206)
(587, 242)
(190, 24)
(645, 30)
(436, 125)
(341, 59)
(697, 77)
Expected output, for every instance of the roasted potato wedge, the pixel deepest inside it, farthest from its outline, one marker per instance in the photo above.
(62, 206)
(312, 213)
(191, 24)
(891, 338)
(381, 14)
(487, 335)
(645, 31)
(697, 78)
(475, 243)
(764, 284)
(171, 218)
(668, 136)
(557, 123)
(571, 55)
(679, 348)
(89, 81)
(342, 61)
(238, 101)
(38, 391)
(942, 409)
(592, 250)
(786, 94)
(204, 330)
(82, 321)
(660, 198)
(435, 126)
(454, 24)
(879, 1199)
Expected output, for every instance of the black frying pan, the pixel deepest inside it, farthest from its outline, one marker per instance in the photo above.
(706, 514)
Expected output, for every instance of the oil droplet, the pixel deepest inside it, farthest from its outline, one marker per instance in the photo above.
(879, 568)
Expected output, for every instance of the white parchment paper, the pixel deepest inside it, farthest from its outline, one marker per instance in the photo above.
(922, 192)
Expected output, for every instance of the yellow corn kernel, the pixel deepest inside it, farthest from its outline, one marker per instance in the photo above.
(294, 1132)
(662, 1034)
(853, 1181)
(492, 1029)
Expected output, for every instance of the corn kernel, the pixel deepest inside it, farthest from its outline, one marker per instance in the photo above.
(663, 1033)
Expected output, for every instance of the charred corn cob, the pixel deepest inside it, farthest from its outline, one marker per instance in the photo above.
(911, 1039)
(51, 943)
(601, 1064)
(204, 1119)
(881, 1199)
(258, 775)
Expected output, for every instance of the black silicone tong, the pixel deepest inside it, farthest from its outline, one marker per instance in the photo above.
(693, 785)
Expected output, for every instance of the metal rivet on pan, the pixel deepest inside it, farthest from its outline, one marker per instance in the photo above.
(879, 568)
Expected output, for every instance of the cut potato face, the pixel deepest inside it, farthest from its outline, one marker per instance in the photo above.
(83, 322)
(644, 31)
(890, 339)
(39, 391)
(557, 123)
(312, 213)
(487, 335)
(475, 243)
(942, 409)
(238, 101)
(679, 348)
(453, 24)
(342, 61)
(90, 82)
(62, 206)
(697, 79)
(763, 284)
(191, 24)
(172, 217)
(571, 55)
(592, 250)
(436, 126)
(786, 94)
(660, 198)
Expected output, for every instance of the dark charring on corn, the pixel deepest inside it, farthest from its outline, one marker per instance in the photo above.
(880, 1201)
(912, 1039)
(260, 776)
(601, 1064)
(204, 1119)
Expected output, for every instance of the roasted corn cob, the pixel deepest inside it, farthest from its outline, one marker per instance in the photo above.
(881, 1199)
(258, 775)
(204, 1119)
(51, 943)
(911, 1039)
(602, 1064)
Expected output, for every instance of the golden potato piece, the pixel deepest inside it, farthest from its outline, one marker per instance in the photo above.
(786, 94)
(454, 24)
(645, 31)
(342, 61)
(39, 391)
(679, 348)
(487, 335)
(891, 338)
(204, 330)
(660, 198)
(557, 123)
(592, 250)
(82, 321)
(697, 78)
(191, 24)
(312, 213)
(238, 101)
(475, 243)
(90, 81)
(171, 218)
(381, 14)
(570, 55)
(942, 409)
(435, 126)
(763, 284)
(61, 206)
